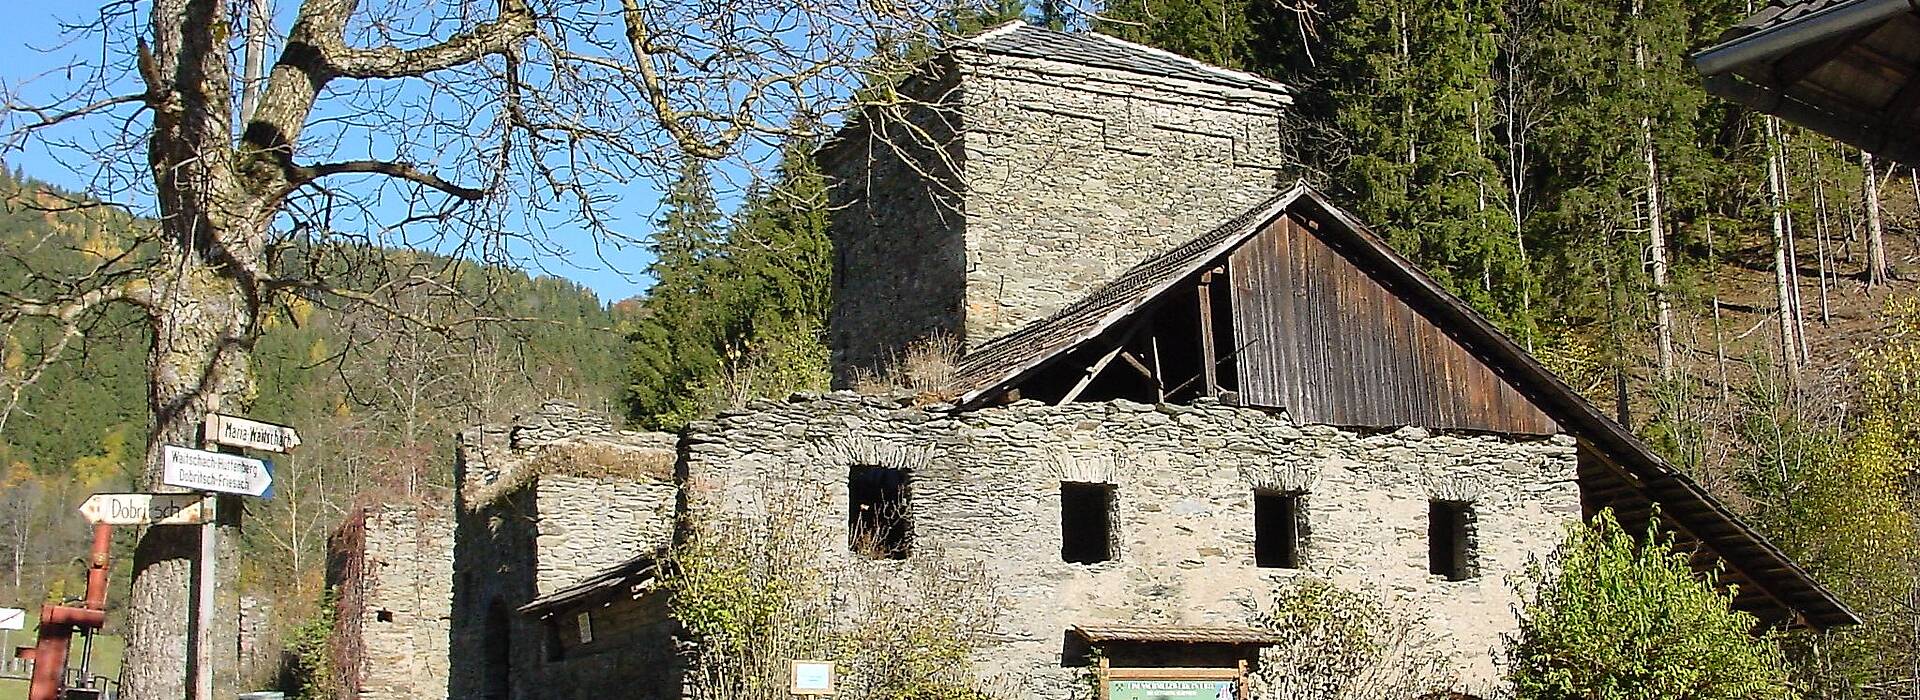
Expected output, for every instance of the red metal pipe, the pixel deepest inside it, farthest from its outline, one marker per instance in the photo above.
(57, 623)
(49, 658)
(97, 568)
(73, 617)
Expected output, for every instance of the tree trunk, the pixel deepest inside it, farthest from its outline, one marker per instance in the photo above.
(1657, 255)
(200, 308)
(1820, 231)
(1782, 276)
(1876, 236)
(1656, 228)
(202, 335)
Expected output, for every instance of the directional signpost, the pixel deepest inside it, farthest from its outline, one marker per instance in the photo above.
(148, 509)
(219, 472)
(234, 431)
(209, 471)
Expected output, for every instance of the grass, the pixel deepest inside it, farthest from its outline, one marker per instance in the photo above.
(107, 649)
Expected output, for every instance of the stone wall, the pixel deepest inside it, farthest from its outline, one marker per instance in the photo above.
(986, 487)
(1015, 186)
(406, 613)
(545, 502)
(1074, 174)
(899, 265)
(589, 525)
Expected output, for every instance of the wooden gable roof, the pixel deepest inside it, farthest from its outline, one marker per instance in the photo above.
(1617, 468)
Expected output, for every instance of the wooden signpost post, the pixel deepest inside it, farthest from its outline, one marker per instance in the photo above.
(212, 472)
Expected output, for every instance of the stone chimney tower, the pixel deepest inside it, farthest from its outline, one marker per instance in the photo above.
(1027, 168)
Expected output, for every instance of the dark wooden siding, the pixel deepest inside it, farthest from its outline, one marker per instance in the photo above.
(1322, 339)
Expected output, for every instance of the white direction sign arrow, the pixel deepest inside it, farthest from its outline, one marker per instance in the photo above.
(201, 470)
(234, 431)
(13, 619)
(148, 509)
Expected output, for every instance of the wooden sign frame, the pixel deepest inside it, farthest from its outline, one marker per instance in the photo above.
(1238, 675)
(793, 673)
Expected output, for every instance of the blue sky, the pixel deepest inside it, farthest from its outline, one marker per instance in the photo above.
(610, 270)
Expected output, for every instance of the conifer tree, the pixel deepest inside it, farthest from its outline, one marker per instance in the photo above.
(674, 342)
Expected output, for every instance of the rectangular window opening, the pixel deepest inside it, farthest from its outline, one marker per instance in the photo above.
(1278, 522)
(879, 522)
(1086, 522)
(1450, 539)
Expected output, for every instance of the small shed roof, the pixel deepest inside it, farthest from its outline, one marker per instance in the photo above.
(1846, 68)
(1790, 593)
(631, 578)
(1177, 634)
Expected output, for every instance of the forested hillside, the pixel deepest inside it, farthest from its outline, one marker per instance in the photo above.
(375, 390)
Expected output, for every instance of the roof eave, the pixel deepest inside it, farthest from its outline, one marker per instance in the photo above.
(1776, 40)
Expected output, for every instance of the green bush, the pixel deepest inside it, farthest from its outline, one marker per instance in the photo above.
(1613, 619)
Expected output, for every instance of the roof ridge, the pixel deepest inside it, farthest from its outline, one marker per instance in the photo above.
(984, 42)
(1189, 60)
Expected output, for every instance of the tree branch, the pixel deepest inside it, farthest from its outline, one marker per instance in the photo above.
(494, 37)
(304, 174)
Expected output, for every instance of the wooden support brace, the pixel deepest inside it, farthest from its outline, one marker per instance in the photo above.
(1209, 371)
(1094, 370)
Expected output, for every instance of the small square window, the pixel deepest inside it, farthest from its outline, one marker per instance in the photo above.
(383, 615)
(1279, 520)
(1086, 522)
(1450, 540)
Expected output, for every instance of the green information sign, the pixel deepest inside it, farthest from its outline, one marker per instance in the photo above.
(1216, 689)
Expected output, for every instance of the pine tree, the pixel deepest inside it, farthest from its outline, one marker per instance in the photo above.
(675, 342)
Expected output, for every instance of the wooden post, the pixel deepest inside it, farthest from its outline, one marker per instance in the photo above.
(1207, 360)
(1240, 688)
(1105, 676)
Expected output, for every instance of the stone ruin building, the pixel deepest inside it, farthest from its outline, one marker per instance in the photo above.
(1187, 382)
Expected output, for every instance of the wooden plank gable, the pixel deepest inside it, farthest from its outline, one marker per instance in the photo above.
(1326, 341)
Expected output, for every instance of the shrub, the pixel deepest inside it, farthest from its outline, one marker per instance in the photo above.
(1615, 618)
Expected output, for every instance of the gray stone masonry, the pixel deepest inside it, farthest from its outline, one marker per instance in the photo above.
(555, 497)
(406, 618)
(986, 487)
(1018, 185)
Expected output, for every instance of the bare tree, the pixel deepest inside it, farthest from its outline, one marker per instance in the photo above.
(467, 127)
(1876, 236)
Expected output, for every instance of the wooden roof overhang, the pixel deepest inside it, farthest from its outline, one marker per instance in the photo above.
(632, 578)
(1175, 634)
(1625, 474)
(1847, 68)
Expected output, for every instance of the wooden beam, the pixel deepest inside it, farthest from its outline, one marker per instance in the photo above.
(1093, 370)
(1207, 360)
(1159, 385)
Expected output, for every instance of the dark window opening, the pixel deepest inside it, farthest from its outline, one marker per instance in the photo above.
(556, 649)
(497, 656)
(383, 615)
(1086, 522)
(879, 525)
(1279, 520)
(1450, 539)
